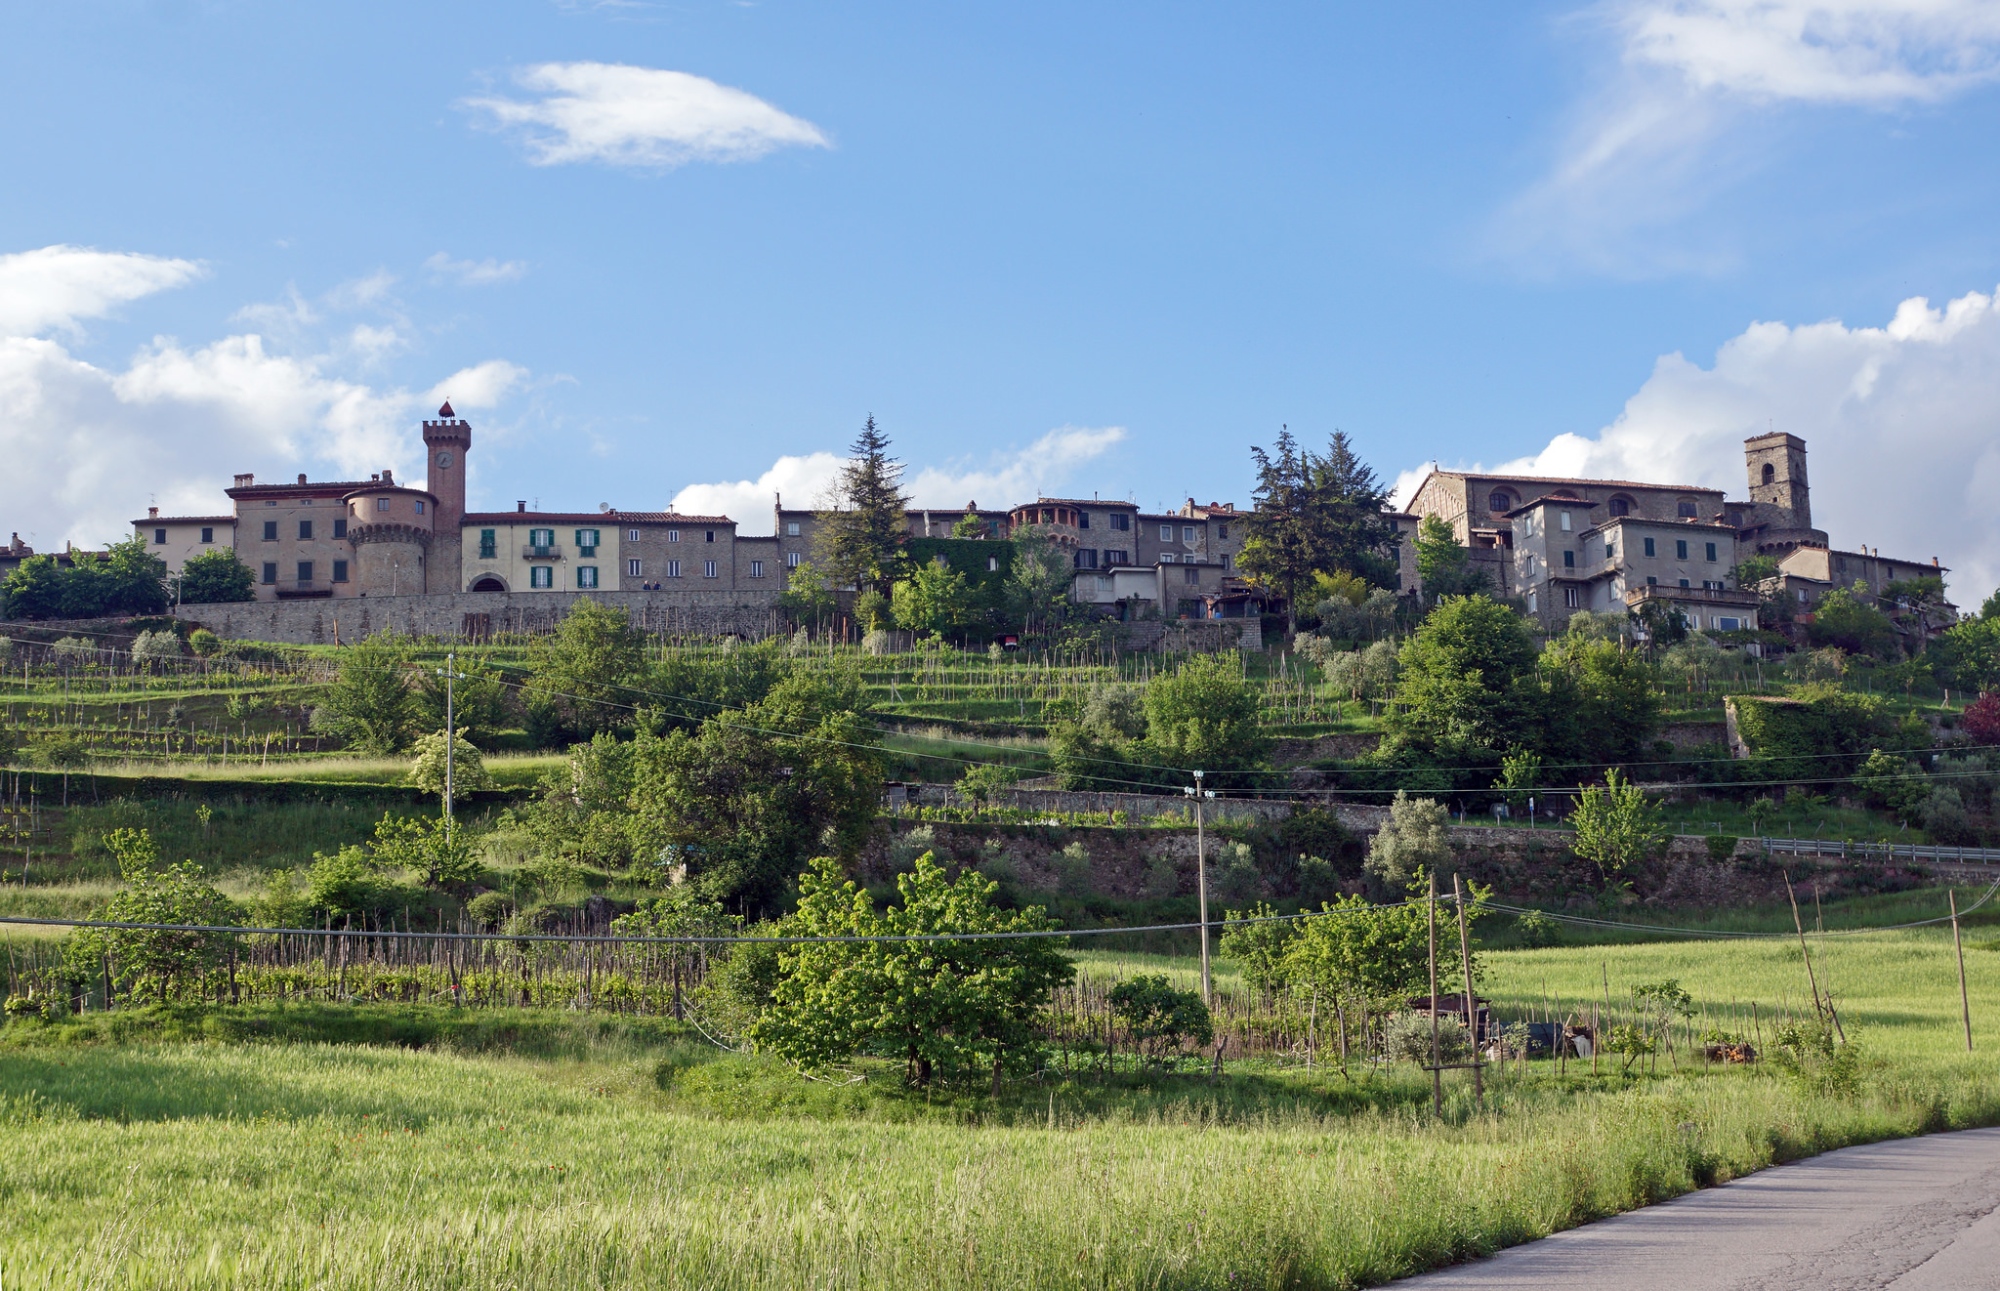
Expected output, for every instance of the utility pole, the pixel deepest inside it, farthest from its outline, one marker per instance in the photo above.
(1200, 796)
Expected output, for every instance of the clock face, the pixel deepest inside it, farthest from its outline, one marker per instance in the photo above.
(444, 459)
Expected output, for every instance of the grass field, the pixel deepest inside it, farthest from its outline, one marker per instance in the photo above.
(558, 1150)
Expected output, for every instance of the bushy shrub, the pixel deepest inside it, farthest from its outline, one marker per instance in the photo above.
(204, 643)
(1407, 1037)
(1161, 1020)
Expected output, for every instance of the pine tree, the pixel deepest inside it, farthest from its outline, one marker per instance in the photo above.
(861, 541)
(1316, 514)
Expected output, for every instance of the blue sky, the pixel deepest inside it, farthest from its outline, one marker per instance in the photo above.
(681, 250)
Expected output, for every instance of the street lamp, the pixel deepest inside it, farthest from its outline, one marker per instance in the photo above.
(1200, 796)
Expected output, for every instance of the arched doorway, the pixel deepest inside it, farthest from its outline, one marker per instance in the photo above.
(488, 583)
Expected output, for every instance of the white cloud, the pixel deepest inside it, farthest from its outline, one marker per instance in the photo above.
(56, 287)
(1672, 118)
(808, 481)
(1902, 426)
(475, 273)
(641, 116)
(88, 446)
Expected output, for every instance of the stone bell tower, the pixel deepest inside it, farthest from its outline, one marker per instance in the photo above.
(1777, 465)
(445, 442)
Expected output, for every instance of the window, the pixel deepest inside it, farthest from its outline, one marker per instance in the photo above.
(420, 506)
(1569, 560)
(159, 535)
(489, 544)
(586, 576)
(1083, 519)
(1611, 551)
(1802, 596)
(1166, 533)
(1563, 518)
(208, 535)
(1770, 473)
(791, 529)
(1117, 558)
(541, 576)
(1710, 585)
(1680, 549)
(1711, 551)
(1222, 532)
(673, 569)
(305, 571)
(631, 569)
(1532, 607)
(1572, 598)
(708, 535)
(756, 569)
(1685, 509)
(339, 571)
(340, 527)
(1528, 525)
(992, 564)
(1086, 558)
(1121, 522)
(1187, 533)
(381, 504)
(1228, 561)
(1651, 581)
(1191, 575)
(708, 569)
(270, 572)
(1649, 548)
(1724, 623)
(1684, 582)
(542, 540)
(271, 533)
(674, 535)
(1168, 558)
(791, 560)
(586, 543)
(305, 530)
(1620, 506)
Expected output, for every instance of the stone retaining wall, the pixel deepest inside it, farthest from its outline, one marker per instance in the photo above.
(478, 616)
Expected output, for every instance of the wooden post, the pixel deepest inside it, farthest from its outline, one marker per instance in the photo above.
(1811, 978)
(1964, 1000)
(1471, 1010)
(1437, 1076)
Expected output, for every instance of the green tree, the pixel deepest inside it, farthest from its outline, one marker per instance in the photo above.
(1617, 827)
(807, 598)
(1600, 702)
(1205, 714)
(1160, 1020)
(368, 705)
(1314, 515)
(162, 964)
(933, 601)
(1038, 582)
(585, 674)
(1257, 941)
(481, 704)
(134, 579)
(1752, 570)
(1843, 618)
(215, 578)
(969, 525)
(583, 810)
(468, 767)
(860, 542)
(33, 589)
(438, 851)
(1444, 566)
(755, 792)
(945, 1007)
(1468, 682)
(1416, 839)
(1350, 949)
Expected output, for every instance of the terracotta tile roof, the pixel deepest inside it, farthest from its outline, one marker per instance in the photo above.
(146, 520)
(312, 489)
(1494, 477)
(591, 517)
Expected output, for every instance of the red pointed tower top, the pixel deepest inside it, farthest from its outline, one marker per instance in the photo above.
(446, 410)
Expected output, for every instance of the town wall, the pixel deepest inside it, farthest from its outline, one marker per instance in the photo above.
(478, 616)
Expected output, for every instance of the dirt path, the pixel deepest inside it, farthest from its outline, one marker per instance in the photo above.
(1916, 1214)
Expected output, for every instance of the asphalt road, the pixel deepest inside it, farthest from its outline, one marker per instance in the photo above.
(1917, 1215)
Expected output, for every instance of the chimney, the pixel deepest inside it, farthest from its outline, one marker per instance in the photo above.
(153, 513)
(245, 481)
(521, 506)
(388, 476)
(302, 477)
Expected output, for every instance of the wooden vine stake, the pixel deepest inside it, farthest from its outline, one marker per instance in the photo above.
(1471, 1014)
(1811, 979)
(1437, 1073)
(1964, 1000)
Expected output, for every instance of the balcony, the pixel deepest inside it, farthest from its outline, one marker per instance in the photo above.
(534, 552)
(1726, 596)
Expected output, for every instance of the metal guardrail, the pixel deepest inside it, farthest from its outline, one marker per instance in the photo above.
(1882, 851)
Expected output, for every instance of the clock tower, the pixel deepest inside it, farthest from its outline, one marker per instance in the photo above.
(445, 443)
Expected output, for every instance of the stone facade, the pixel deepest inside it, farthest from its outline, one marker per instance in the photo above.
(478, 616)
